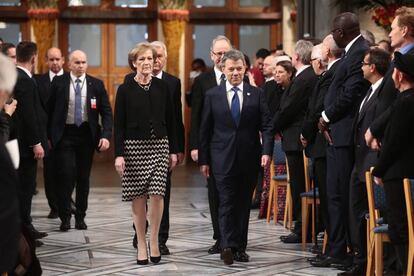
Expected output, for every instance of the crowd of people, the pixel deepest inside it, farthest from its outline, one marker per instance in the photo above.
(346, 102)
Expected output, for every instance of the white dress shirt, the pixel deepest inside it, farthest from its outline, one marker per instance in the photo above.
(52, 75)
(25, 70)
(218, 74)
(71, 105)
(159, 75)
(230, 94)
(300, 70)
(330, 64)
(374, 87)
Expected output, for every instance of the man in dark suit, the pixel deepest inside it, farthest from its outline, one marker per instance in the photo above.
(323, 56)
(76, 101)
(55, 61)
(340, 107)
(233, 116)
(288, 121)
(29, 122)
(202, 83)
(374, 67)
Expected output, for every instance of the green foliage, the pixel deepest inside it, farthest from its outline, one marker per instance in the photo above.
(40, 4)
(173, 4)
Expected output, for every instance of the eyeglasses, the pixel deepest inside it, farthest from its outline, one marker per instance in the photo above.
(365, 63)
(219, 54)
(312, 59)
(334, 30)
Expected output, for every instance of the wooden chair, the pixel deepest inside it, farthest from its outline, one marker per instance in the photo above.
(308, 201)
(378, 233)
(4, 274)
(276, 181)
(288, 215)
(409, 192)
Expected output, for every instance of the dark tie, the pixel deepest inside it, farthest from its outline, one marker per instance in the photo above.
(78, 103)
(364, 102)
(235, 106)
(222, 79)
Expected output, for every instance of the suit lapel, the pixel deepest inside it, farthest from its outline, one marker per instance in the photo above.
(89, 94)
(225, 104)
(369, 102)
(246, 99)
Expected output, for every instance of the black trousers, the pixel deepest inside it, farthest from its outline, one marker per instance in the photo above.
(213, 203)
(358, 207)
(165, 220)
(297, 185)
(27, 184)
(319, 166)
(74, 154)
(339, 167)
(50, 180)
(235, 194)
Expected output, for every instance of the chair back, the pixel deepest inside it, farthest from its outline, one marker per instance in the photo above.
(279, 156)
(409, 195)
(307, 165)
(379, 196)
(375, 199)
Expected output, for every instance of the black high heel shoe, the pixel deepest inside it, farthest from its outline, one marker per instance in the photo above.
(142, 262)
(153, 259)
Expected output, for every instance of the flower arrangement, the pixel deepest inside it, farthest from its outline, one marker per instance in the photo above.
(383, 16)
(172, 4)
(42, 4)
(43, 9)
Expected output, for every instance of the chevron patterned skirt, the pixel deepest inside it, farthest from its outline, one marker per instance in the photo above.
(146, 168)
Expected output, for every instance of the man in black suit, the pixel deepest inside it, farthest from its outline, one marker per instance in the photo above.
(341, 104)
(55, 61)
(76, 101)
(288, 121)
(374, 67)
(324, 62)
(29, 122)
(233, 116)
(202, 83)
(9, 203)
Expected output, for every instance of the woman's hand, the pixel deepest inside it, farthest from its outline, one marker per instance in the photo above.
(173, 161)
(120, 165)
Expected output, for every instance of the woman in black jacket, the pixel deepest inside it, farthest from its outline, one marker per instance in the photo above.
(145, 145)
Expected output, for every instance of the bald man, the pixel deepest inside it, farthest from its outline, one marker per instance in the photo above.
(54, 61)
(75, 103)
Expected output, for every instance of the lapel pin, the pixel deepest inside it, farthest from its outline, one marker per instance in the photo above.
(248, 94)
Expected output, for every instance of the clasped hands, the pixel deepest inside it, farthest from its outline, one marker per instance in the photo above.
(120, 163)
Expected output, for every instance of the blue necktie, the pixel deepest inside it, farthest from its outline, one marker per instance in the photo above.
(235, 106)
(78, 103)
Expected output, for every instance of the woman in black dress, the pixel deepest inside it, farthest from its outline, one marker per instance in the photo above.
(145, 146)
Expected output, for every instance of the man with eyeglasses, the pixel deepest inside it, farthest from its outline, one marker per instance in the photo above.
(202, 83)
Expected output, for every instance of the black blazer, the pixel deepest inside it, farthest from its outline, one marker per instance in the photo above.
(58, 108)
(9, 212)
(273, 94)
(397, 150)
(223, 145)
(174, 88)
(43, 82)
(345, 93)
(289, 118)
(316, 141)
(137, 110)
(29, 120)
(365, 158)
(201, 84)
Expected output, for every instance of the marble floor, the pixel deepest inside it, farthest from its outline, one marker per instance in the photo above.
(106, 249)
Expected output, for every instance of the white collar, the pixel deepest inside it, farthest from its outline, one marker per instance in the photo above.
(376, 84)
(159, 75)
(52, 74)
(330, 64)
(74, 78)
(303, 68)
(218, 73)
(230, 86)
(25, 70)
(269, 79)
(349, 45)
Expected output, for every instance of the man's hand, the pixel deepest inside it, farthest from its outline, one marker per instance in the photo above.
(173, 161)
(10, 108)
(120, 165)
(194, 155)
(180, 157)
(265, 160)
(103, 144)
(322, 125)
(38, 152)
(378, 181)
(371, 141)
(303, 141)
(205, 170)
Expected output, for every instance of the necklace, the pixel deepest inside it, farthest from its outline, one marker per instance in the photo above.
(146, 87)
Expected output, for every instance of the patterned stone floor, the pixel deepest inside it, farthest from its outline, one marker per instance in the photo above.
(105, 248)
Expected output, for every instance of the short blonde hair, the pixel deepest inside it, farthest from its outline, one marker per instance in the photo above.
(406, 18)
(159, 44)
(138, 50)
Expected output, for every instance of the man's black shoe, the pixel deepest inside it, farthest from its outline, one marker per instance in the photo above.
(292, 238)
(328, 262)
(355, 270)
(38, 243)
(227, 256)
(53, 214)
(37, 234)
(164, 249)
(215, 249)
(241, 256)
(80, 224)
(135, 241)
(65, 225)
(316, 258)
